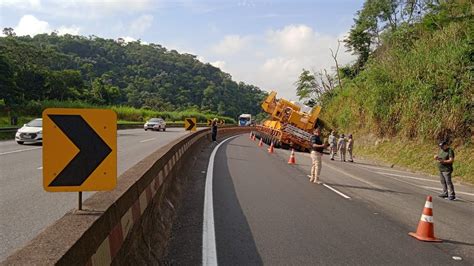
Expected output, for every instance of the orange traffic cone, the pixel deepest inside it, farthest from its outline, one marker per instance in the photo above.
(425, 230)
(292, 157)
(260, 144)
(270, 150)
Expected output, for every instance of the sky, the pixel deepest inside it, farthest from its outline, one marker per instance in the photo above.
(264, 43)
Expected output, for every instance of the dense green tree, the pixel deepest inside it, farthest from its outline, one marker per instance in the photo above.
(102, 71)
(8, 89)
(305, 85)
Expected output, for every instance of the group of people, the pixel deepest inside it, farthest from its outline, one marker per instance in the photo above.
(445, 159)
(341, 145)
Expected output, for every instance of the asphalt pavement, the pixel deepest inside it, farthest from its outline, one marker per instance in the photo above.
(26, 208)
(267, 212)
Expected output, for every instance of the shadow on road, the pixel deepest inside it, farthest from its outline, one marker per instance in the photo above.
(458, 243)
(234, 239)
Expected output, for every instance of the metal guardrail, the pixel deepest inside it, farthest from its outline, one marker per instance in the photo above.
(119, 126)
(8, 129)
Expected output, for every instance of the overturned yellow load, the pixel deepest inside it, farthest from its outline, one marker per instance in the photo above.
(289, 125)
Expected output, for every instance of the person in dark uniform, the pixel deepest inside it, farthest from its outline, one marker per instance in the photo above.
(214, 130)
(317, 147)
(445, 158)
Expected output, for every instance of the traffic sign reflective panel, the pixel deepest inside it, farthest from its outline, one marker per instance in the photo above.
(79, 149)
(190, 124)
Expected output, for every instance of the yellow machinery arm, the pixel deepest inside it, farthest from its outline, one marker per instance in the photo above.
(286, 112)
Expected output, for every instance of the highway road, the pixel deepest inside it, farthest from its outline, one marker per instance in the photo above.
(267, 212)
(26, 208)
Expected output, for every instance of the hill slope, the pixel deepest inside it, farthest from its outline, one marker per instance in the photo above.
(415, 89)
(108, 72)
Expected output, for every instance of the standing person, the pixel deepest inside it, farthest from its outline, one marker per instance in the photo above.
(445, 158)
(214, 129)
(341, 147)
(332, 144)
(350, 145)
(316, 155)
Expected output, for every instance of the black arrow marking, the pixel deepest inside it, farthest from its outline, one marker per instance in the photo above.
(92, 150)
(191, 124)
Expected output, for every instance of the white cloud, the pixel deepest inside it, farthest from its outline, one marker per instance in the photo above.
(30, 25)
(231, 44)
(141, 24)
(73, 30)
(220, 64)
(276, 58)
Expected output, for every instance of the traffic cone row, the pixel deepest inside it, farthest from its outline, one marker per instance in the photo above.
(292, 159)
(425, 229)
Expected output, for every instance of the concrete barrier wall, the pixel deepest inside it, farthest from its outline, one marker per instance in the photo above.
(129, 225)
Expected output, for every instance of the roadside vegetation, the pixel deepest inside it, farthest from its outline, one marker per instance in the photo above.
(137, 80)
(125, 114)
(410, 87)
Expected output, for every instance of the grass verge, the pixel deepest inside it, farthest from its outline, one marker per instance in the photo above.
(417, 156)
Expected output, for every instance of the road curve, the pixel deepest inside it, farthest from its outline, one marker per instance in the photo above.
(267, 212)
(26, 208)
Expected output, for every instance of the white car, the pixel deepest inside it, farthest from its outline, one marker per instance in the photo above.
(155, 124)
(32, 132)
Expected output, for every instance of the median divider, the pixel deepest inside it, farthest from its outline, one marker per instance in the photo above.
(128, 225)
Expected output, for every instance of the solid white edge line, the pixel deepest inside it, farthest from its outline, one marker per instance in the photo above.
(209, 253)
(147, 140)
(15, 151)
(338, 192)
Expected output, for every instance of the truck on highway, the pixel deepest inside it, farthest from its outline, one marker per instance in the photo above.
(245, 120)
(290, 124)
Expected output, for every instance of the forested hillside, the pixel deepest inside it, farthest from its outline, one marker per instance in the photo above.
(411, 85)
(112, 72)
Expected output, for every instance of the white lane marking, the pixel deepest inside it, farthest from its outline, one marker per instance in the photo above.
(410, 177)
(338, 192)
(147, 140)
(457, 191)
(209, 253)
(15, 151)
(39, 168)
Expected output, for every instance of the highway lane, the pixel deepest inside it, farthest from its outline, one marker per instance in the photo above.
(26, 208)
(267, 212)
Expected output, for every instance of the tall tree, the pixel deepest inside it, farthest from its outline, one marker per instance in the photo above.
(305, 85)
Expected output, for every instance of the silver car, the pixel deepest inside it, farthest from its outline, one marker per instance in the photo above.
(32, 132)
(155, 124)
